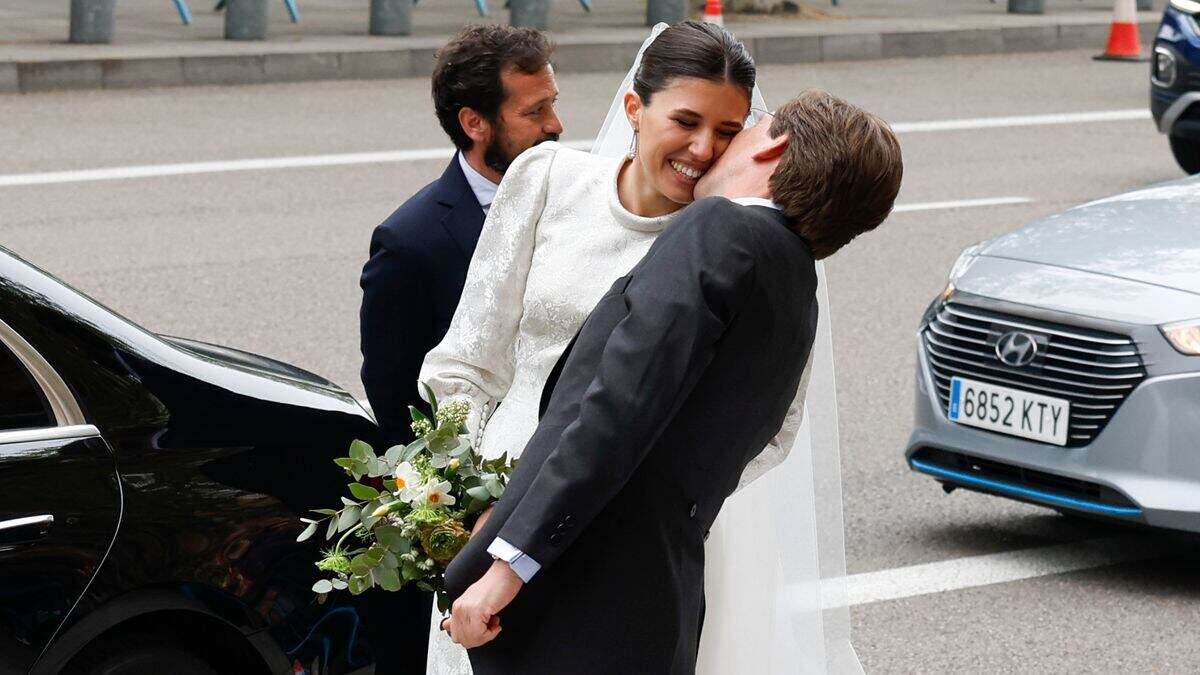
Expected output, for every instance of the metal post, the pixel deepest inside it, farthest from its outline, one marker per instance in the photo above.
(246, 20)
(391, 17)
(1026, 6)
(92, 21)
(530, 13)
(666, 11)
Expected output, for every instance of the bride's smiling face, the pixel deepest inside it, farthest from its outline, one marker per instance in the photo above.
(680, 134)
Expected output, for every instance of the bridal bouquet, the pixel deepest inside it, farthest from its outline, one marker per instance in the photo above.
(411, 508)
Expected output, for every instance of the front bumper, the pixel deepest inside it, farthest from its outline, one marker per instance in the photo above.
(1143, 467)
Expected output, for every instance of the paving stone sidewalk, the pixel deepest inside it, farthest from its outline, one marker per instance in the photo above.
(152, 48)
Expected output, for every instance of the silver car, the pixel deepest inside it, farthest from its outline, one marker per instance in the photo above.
(1061, 365)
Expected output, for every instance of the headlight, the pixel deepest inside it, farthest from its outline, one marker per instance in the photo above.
(965, 259)
(964, 262)
(1184, 337)
(1189, 6)
(1163, 72)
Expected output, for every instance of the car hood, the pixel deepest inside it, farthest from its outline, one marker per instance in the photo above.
(1150, 236)
(254, 363)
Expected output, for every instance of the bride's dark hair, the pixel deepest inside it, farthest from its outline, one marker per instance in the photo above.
(693, 49)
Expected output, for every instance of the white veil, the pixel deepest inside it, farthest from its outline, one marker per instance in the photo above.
(791, 615)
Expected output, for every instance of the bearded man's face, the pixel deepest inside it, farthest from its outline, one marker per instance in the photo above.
(527, 116)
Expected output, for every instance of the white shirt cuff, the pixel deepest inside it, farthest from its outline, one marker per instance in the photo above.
(523, 565)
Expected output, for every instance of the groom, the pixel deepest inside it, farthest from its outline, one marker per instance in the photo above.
(593, 560)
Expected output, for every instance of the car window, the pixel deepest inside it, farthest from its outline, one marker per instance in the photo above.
(22, 404)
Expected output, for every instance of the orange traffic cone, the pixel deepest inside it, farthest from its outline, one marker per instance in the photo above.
(1124, 43)
(712, 12)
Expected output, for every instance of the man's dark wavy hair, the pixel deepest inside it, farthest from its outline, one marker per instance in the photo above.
(467, 72)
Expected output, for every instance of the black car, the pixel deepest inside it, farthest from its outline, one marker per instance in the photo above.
(1175, 81)
(150, 489)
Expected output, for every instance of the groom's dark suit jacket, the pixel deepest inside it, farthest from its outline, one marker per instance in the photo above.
(679, 377)
(411, 287)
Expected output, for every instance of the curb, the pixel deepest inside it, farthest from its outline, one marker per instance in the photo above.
(574, 54)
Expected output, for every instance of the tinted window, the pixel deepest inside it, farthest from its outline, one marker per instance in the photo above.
(22, 405)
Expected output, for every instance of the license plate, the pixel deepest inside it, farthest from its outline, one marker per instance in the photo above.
(1009, 411)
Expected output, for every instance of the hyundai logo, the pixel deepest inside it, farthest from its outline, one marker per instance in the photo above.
(1016, 349)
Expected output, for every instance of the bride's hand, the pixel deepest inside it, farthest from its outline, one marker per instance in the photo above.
(487, 513)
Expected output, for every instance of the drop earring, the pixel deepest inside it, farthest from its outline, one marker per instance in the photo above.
(633, 145)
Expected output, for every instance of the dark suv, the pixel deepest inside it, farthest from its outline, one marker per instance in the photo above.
(1175, 81)
(150, 489)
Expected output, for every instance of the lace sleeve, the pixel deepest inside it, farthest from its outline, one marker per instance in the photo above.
(476, 359)
(777, 450)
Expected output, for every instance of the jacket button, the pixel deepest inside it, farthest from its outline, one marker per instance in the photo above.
(692, 513)
(568, 521)
(555, 537)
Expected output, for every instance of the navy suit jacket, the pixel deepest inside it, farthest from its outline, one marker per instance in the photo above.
(411, 286)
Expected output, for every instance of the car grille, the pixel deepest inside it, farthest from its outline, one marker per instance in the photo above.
(1094, 370)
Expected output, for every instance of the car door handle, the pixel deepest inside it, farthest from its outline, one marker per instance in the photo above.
(42, 523)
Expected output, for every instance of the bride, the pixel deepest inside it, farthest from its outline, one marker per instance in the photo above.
(564, 225)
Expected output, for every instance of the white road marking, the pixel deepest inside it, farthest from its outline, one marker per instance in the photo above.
(998, 568)
(961, 204)
(1023, 121)
(401, 156)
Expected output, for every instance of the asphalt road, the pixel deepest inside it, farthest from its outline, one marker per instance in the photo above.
(269, 261)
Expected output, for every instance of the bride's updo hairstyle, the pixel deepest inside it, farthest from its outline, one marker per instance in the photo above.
(693, 49)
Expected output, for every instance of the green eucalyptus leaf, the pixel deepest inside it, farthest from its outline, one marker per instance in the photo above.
(349, 502)
(359, 584)
(375, 554)
(339, 585)
(345, 462)
(308, 532)
(480, 493)
(361, 451)
(388, 578)
(391, 537)
(361, 565)
(439, 461)
(413, 449)
(323, 586)
(379, 467)
(325, 512)
(332, 529)
(410, 571)
(393, 454)
(348, 518)
(363, 492)
(494, 486)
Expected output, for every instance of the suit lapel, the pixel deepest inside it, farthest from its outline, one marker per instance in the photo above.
(464, 220)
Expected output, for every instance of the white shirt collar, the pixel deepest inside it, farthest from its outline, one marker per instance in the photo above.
(484, 189)
(757, 201)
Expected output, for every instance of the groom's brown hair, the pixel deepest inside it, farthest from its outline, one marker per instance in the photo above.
(841, 170)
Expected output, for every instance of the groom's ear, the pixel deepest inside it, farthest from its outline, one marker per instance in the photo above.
(772, 149)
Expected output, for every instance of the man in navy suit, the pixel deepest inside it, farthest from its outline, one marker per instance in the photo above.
(494, 93)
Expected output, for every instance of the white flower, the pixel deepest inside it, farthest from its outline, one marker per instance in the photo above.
(438, 494)
(408, 481)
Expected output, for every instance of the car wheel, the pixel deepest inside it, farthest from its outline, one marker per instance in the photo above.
(1187, 153)
(137, 655)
